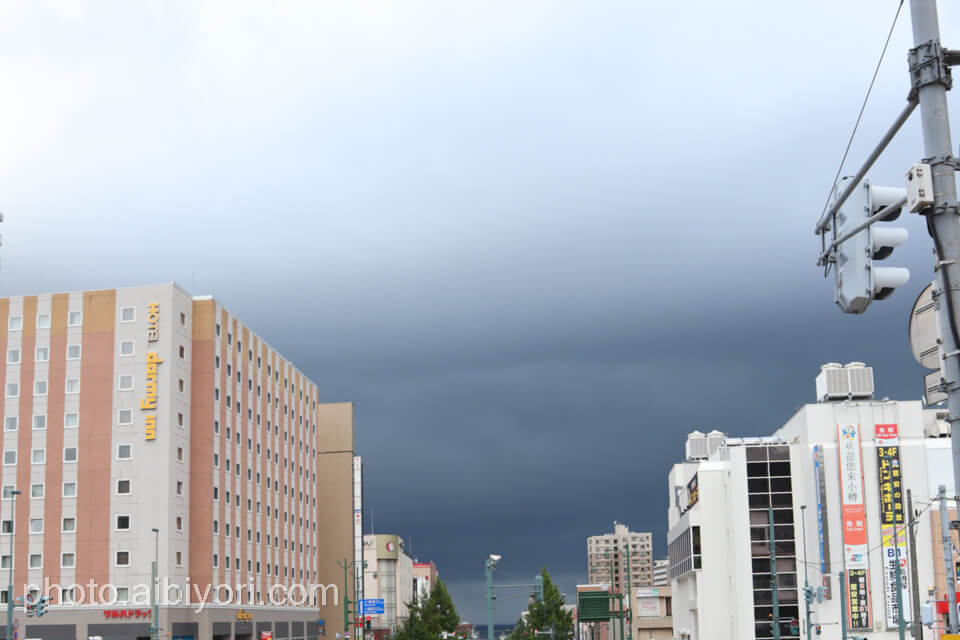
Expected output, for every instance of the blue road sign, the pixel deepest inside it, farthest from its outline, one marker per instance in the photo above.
(371, 605)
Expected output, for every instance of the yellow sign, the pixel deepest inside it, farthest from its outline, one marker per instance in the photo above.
(153, 322)
(149, 401)
(950, 636)
(244, 616)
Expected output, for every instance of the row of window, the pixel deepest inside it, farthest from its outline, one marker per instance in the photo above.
(276, 568)
(39, 455)
(74, 319)
(71, 420)
(124, 488)
(72, 386)
(68, 561)
(275, 512)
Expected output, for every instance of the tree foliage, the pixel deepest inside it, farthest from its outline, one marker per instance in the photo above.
(430, 618)
(548, 614)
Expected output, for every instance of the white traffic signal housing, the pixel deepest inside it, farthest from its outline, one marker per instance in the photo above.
(859, 281)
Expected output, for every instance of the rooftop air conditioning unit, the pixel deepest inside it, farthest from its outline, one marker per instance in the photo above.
(697, 446)
(715, 441)
(836, 382)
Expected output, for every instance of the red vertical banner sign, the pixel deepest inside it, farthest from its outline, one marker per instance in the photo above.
(854, 517)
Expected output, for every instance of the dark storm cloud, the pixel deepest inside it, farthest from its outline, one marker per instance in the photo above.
(536, 243)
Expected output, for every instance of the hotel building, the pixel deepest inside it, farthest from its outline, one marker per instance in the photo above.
(142, 422)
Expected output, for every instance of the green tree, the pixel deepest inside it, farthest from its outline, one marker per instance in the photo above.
(430, 618)
(548, 614)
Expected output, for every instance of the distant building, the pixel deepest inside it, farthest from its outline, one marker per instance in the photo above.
(607, 558)
(425, 576)
(388, 575)
(849, 460)
(652, 613)
(661, 573)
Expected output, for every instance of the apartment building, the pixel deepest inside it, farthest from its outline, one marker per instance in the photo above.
(143, 423)
(607, 558)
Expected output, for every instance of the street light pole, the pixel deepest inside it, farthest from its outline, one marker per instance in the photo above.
(489, 565)
(10, 599)
(613, 629)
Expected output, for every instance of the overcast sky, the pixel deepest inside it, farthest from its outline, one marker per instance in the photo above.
(535, 242)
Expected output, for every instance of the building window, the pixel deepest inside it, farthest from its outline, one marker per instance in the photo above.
(183, 319)
(10, 423)
(9, 458)
(179, 523)
(74, 319)
(43, 321)
(36, 525)
(6, 527)
(126, 348)
(123, 523)
(69, 489)
(5, 562)
(125, 416)
(42, 354)
(40, 422)
(180, 385)
(179, 419)
(69, 454)
(124, 451)
(36, 560)
(67, 561)
(66, 595)
(128, 314)
(71, 420)
(40, 388)
(179, 454)
(39, 456)
(36, 490)
(181, 352)
(13, 389)
(69, 525)
(179, 558)
(123, 488)
(126, 383)
(216, 561)
(179, 487)
(13, 356)
(73, 352)
(73, 385)
(123, 559)
(15, 323)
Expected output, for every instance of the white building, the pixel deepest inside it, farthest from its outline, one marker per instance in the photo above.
(850, 461)
(388, 575)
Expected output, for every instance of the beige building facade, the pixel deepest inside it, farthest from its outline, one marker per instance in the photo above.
(143, 422)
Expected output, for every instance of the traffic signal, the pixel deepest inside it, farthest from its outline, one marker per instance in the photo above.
(28, 605)
(858, 281)
(41, 606)
(367, 623)
(809, 595)
(538, 588)
(818, 629)
(794, 627)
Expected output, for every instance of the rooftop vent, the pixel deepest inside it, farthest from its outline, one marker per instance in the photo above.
(851, 381)
(715, 441)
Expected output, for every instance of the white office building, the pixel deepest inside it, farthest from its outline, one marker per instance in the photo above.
(849, 460)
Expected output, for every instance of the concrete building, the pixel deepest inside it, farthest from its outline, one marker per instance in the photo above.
(607, 564)
(836, 472)
(652, 613)
(138, 410)
(661, 572)
(388, 575)
(610, 549)
(425, 576)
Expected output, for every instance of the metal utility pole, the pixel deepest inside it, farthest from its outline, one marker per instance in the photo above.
(806, 567)
(154, 576)
(10, 599)
(626, 546)
(930, 75)
(901, 626)
(489, 565)
(613, 629)
(916, 629)
(773, 579)
(948, 562)
(843, 605)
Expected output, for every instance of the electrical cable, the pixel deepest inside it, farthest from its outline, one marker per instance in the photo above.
(862, 109)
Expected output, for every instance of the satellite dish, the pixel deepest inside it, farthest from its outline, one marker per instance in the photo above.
(924, 332)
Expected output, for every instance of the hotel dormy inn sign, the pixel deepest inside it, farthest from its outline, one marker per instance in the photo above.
(149, 401)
